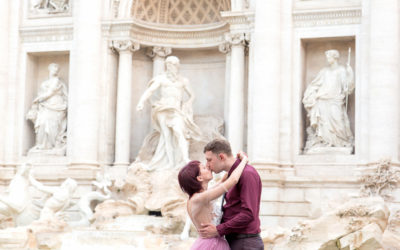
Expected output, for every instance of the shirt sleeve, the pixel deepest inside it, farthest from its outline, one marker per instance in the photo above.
(248, 197)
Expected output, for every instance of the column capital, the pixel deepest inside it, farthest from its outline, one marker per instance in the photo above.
(225, 47)
(239, 38)
(158, 51)
(124, 46)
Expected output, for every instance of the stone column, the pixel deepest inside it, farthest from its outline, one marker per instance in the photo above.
(124, 96)
(84, 100)
(264, 85)
(158, 54)
(235, 130)
(384, 80)
(4, 10)
(13, 104)
(226, 49)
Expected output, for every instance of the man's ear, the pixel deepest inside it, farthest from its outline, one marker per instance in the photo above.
(221, 156)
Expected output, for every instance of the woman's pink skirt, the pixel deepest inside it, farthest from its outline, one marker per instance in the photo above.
(217, 243)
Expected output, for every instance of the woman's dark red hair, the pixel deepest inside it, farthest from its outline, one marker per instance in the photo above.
(187, 178)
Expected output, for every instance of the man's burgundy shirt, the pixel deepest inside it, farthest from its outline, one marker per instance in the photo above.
(242, 208)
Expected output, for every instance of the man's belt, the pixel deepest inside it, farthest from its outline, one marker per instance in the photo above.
(241, 236)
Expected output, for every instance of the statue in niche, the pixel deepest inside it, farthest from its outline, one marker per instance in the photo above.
(50, 6)
(167, 147)
(49, 115)
(326, 101)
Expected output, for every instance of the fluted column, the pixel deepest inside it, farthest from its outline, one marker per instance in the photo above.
(384, 79)
(158, 54)
(4, 10)
(226, 49)
(124, 96)
(84, 94)
(236, 105)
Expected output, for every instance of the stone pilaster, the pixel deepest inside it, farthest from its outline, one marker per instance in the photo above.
(384, 80)
(264, 85)
(124, 96)
(4, 32)
(84, 98)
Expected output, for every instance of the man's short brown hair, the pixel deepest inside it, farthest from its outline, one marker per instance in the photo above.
(218, 146)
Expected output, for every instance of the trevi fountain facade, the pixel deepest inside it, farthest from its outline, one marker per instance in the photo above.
(102, 103)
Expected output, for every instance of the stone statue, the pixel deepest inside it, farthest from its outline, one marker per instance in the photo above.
(49, 115)
(50, 6)
(326, 101)
(60, 198)
(172, 120)
(103, 193)
(17, 198)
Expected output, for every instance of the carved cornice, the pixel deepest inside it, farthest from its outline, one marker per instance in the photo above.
(239, 20)
(310, 18)
(51, 33)
(204, 36)
(122, 46)
(159, 51)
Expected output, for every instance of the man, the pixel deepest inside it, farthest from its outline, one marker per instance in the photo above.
(172, 118)
(240, 222)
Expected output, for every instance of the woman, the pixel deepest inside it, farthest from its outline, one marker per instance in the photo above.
(193, 179)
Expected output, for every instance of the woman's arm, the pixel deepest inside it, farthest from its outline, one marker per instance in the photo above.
(233, 179)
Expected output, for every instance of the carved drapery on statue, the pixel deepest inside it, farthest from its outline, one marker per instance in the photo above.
(167, 146)
(326, 103)
(49, 115)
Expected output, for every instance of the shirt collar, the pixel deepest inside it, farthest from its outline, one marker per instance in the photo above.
(237, 162)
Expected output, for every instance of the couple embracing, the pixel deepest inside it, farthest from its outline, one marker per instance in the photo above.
(241, 190)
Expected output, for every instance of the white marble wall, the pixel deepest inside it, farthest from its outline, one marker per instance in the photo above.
(287, 41)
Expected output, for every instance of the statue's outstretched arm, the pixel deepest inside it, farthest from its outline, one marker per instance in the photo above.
(154, 84)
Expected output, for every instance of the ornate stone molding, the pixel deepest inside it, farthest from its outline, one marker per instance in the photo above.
(159, 51)
(381, 181)
(121, 46)
(51, 33)
(310, 18)
(205, 36)
(239, 21)
(225, 47)
(237, 38)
